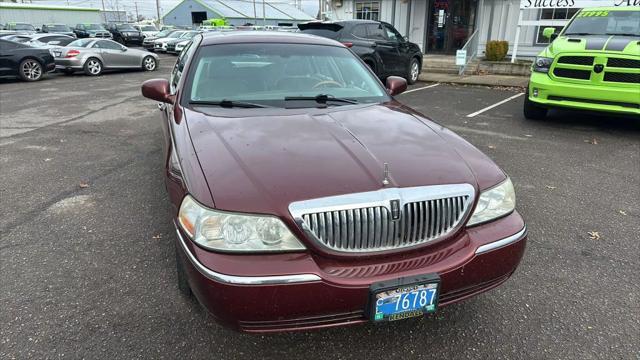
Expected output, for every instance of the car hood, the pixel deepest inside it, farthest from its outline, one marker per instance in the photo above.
(261, 162)
(594, 43)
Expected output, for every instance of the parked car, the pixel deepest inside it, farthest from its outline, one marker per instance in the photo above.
(93, 56)
(91, 30)
(181, 45)
(148, 42)
(147, 30)
(126, 34)
(44, 40)
(171, 44)
(58, 29)
(304, 195)
(593, 64)
(20, 27)
(160, 44)
(379, 45)
(24, 61)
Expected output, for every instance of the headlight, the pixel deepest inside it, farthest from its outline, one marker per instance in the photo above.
(542, 64)
(233, 232)
(498, 201)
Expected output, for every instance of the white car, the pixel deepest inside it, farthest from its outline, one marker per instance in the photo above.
(147, 30)
(181, 45)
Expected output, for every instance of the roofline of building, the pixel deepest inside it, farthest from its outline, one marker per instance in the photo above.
(45, 7)
(239, 17)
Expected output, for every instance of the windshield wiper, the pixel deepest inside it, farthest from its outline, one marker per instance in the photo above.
(581, 33)
(623, 34)
(227, 104)
(321, 99)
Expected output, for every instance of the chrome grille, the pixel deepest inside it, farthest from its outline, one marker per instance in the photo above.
(364, 222)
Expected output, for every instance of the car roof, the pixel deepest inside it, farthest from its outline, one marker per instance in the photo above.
(611, 8)
(239, 37)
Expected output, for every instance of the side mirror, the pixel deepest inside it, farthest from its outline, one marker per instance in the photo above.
(157, 89)
(124, 48)
(549, 33)
(396, 85)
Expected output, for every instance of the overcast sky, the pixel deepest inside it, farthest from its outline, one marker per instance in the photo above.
(148, 7)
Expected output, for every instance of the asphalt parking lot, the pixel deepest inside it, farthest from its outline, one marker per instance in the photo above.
(87, 262)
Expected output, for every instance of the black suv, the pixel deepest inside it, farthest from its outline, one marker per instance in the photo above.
(91, 30)
(126, 34)
(379, 44)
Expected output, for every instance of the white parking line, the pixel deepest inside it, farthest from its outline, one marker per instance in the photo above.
(494, 105)
(422, 88)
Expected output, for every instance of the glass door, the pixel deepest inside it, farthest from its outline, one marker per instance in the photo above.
(451, 22)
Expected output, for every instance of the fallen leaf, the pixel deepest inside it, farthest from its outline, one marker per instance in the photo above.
(528, 135)
(550, 187)
(47, 159)
(593, 141)
(622, 212)
(492, 147)
(84, 184)
(157, 237)
(594, 235)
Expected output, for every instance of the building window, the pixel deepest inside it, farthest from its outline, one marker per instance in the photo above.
(553, 14)
(368, 10)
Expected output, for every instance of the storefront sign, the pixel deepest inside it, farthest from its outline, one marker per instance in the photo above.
(550, 4)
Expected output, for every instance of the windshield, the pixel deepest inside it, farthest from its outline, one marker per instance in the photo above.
(603, 22)
(188, 35)
(148, 28)
(58, 28)
(125, 27)
(80, 43)
(267, 73)
(176, 34)
(94, 27)
(27, 27)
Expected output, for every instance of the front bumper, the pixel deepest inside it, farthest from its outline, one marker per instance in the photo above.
(300, 291)
(586, 96)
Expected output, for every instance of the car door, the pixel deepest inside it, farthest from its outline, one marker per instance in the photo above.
(112, 53)
(387, 49)
(6, 54)
(405, 52)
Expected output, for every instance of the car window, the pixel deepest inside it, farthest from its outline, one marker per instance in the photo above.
(176, 74)
(80, 26)
(80, 43)
(360, 31)
(267, 73)
(392, 34)
(106, 44)
(375, 32)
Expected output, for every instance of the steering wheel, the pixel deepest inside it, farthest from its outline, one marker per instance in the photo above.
(327, 82)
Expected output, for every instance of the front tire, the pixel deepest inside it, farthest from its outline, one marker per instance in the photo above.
(414, 71)
(533, 111)
(30, 70)
(93, 67)
(149, 63)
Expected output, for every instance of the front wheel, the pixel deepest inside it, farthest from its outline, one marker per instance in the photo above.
(93, 67)
(30, 70)
(414, 71)
(533, 111)
(149, 63)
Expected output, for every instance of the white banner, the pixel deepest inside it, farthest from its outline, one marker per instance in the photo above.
(550, 4)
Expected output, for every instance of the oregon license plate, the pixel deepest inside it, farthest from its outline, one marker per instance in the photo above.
(404, 298)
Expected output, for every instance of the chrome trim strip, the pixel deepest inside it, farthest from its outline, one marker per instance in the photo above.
(503, 242)
(243, 280)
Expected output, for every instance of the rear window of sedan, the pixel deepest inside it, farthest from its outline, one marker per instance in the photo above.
(267, 73)
(80, 43)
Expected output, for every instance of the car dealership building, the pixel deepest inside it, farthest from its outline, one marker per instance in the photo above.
(444, 26)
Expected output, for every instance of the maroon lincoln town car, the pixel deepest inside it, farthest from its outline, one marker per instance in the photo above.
(305, 196)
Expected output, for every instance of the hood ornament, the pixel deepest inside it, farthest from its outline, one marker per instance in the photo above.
(385, 181)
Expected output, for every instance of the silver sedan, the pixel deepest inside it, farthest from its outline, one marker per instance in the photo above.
(96, 55)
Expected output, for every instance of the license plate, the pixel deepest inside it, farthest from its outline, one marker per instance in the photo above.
(404, 298)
